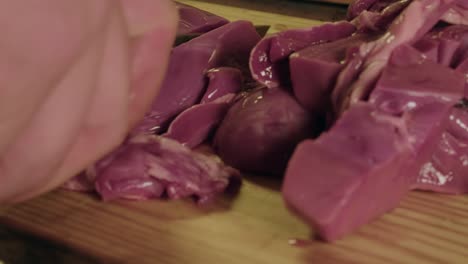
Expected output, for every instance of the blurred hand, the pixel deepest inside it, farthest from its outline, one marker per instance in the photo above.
(69, 84)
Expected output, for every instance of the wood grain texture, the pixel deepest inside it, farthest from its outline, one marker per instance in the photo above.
(251, 227)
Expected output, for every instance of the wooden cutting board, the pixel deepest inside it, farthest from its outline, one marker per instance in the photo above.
(252, 226)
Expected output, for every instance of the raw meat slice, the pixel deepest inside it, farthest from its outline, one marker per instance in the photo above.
(193, 126)
(351, 174)
(458, 14)
(222, 81)
(377, 21)
(150, 166)
(359, 6)
(368, 62)
(446, 170)
(375, 149)
(268, 60)
(185, 82)
(314, 70)
(410, 80)
(194, 20)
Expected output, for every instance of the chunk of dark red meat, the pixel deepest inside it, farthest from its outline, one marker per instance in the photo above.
(351, 174)
(269, 58)
(151, 166)
(360, 74)
(194, 20)
(314, 70)
(261, 130)
(185, 81)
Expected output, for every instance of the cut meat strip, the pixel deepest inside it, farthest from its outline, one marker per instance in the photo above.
(193, 126)
(446, 170)
(268, 60)
(222, 81)
(184, 84)
(193, 20)
(359, 6)
(414, 22)
(458, 14)
(375, 149)
(410, 80)
(315, 68)
(377, 21)
(329, 181)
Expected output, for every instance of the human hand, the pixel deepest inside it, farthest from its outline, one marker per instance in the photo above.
(69, 87)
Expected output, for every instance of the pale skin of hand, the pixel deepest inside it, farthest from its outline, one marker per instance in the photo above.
(65, 93)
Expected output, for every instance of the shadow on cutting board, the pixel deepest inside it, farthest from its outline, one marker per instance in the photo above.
(19, 248)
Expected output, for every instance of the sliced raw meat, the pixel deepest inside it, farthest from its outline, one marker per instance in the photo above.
(351, 174)
(355, 83)
(314, 70)
(261, 130)
(446, 44)
(446, 170)
(375, 149)
(376, 21)
(428, 47)
(463, 68)
(410, 80)
(193, 20)
(458, 14)
(193, 126)
(151, 166)
(185, 82)
(359, 6)
(222, 81)
(268, 61)
(127, 176)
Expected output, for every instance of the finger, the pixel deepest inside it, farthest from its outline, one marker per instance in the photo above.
(40, 40)
(106, 121)
(31, 160)
(149, 57)
(150, 51)
(143, 15)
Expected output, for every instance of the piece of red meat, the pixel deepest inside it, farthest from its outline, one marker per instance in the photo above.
(150, 166)
(193, 20)
(269, 58)
(185, 81)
